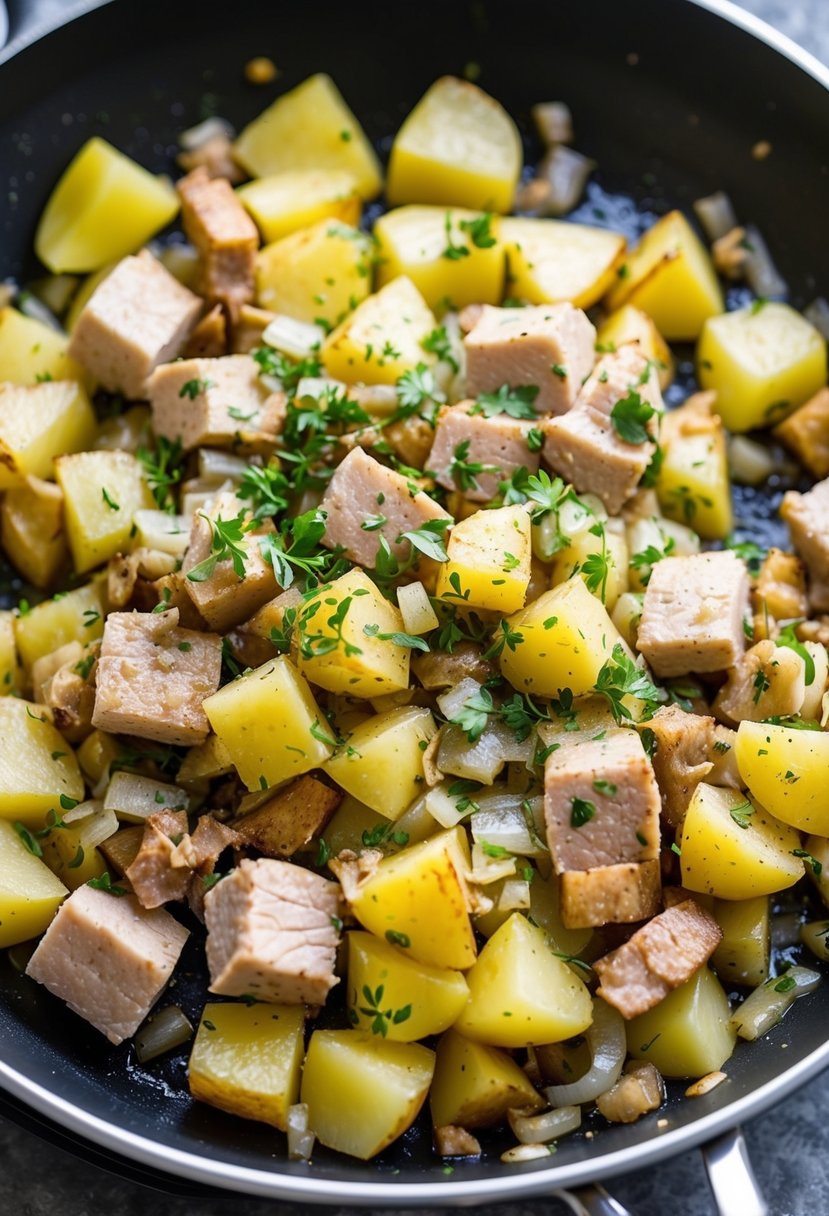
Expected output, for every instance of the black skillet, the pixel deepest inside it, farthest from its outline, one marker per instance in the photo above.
(669, 97)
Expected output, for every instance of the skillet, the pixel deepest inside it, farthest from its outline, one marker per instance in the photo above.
(669, 97)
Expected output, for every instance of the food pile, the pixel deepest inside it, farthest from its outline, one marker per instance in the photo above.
(380, 620)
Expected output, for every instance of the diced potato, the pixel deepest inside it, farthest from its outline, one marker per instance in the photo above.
(32, 351)
(10, 673)
(310, 127)
(545, 910)
(343, 642)
(571, 560)
(37, 765)
(670, 277)
(30, 894)
(381, 762)
(297, 198)
(39, 422)
(489, 561)
(421, 893)
(383, 337)
(418, 614)
(320, 273)
(104, 207)
(101, 493)
(630, 324)
(246, 1059)
(68, 853)
(788, 770)
(31, 530)
(270, 724)
(76, 616)
(549, 261)
(205, 761)
(521, 993)
(458, 147)
(742, 956)
(688, 1034)
(96, 754)
(433, 996)
(694, 485)
(762, 362)
(362, 1091)
(475, 1086)
(348, 823)
(566, 637)
(418, 242)
(720, 856)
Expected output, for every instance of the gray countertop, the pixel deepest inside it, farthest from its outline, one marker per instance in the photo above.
(789, 1148)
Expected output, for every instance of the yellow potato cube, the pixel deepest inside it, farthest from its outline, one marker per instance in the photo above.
(688, 1034)
(31, 529)
(694, 485)
(344, 642)
(670, 276)
(381, 762)
(475, 1086)
(101, 492)
(549, 261)
(310, 127)
(416, 609)
(788, 770)
(297, 198)
(10, 673)
(742, 956)
(383, 337)
(346, 827)
(576, 559)
(362, 1091)
(458, 147)
(68, 853)
(630, 324)
(566, 637)
(246, 1059)
(421, 893)
(730, 847)
(270, 724)
(425, 999)
(520, 993)
(104, 207)
(96, 754)
(30, 895)
(763, 361)
(77, 616)
(489, 561)
(37, 765)
(419, 242)
(39, 422)
(317, 274)
(31, 351)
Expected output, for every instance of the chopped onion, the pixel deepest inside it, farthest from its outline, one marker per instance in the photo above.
(160, 530)
(814, 936)
(379, 399)
(523, 1153)
(507, 826)
(416, 609)
(451, 703)
(216, 465)
(32, 307)
(300, 1137)
(203, 132)
(487, 869)
(167, 1029)
(134, 798)
(299, 339)
(515, 893)
(751, 463)
(608, 1045)
(567, 172)
(716, 214)
(817, 313)
(197, 496)
(95, 825)
(760, 271)
(443, 807)
(785, 930)
(480, 761)
(416, 822)
(549, 1125)
(767, 1004)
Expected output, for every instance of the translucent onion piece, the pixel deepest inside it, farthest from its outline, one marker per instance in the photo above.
(480, 761)
(32, 307)
(93, 827)
(203, 132)
(761, 273)
(160, 530)
(452, 702)
(716, 214)
(549, 1125)
(767, 1004)
(751, 463)
(300, 1138)
(815, 936)
(487, 869)
(443, 807)
(567, 172)
(134, 798)
(299, 339)
(378, 399)
(162, 1032)
(216, 465)
(608, 1046)
(817, 313)
(507, 826)
(515, 894)
(523, 1153)
(785, 930)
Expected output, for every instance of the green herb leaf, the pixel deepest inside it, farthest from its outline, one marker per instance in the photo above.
(630, 416)
(515, 402)
(582, 812)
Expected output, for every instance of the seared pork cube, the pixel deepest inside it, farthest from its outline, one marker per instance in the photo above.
(681, 758)
(601, 803)
(215, 403)
(222, 596)
(209, 339)
(291, 818)
(806, 433)
(364, 492)
(659, 957)
(271, 933)
(588, 447)
(224, 235)
(108, 959)
(153, 676)
(550, 346)
(138, 317)
(610, 895)
(152, 875)
(779, 590)
(808, 518)
(498, 443)
(693, 613)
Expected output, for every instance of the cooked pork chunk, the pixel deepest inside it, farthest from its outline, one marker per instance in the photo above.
(806, 433)
(498, 443)
(659, 957)
(209, 339)
(549, 346)
(108, 959)
(682, 757)
(780, 588)
(610, 895)
(361, 488)
(766, 682)
(293, 816)
(225, 236)
(808, 518)
(692, 615)
(153, 676)
(138, 317)
(215, 403)
(270, 933)
(153, 878)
